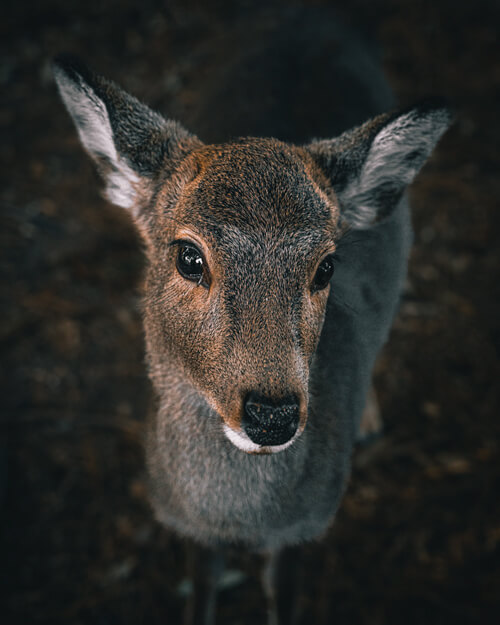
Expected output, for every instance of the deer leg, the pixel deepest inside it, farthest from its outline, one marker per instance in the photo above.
(282, 582)
(371, 421)
(205, 566)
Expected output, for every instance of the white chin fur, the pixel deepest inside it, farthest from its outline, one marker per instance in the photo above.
(243, 442)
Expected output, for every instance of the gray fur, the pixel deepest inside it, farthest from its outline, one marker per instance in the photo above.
(395, 157)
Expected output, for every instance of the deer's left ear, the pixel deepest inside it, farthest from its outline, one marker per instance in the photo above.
(371, 165)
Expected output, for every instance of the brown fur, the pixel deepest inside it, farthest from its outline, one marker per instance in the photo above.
(253, 197)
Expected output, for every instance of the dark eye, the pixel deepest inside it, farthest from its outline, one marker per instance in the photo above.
(190, 264)
(324, 274)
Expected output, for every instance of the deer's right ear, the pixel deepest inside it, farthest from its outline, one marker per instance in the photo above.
(130, 143)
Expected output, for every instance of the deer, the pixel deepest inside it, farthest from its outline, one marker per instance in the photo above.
(274, 271)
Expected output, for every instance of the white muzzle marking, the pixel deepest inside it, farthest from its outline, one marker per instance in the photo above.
(243, 442)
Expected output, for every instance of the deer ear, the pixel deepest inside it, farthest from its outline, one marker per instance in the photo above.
(370, 166)
(130, 143)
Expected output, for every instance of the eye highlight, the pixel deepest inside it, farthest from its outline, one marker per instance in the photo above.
(323, 274)
(190, 263)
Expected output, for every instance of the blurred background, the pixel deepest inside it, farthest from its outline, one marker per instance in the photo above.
(417, 538)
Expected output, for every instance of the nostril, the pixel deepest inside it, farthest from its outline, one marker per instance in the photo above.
(264, 410)
(268, 421)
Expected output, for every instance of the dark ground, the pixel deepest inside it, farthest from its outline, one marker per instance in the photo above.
(417, 539)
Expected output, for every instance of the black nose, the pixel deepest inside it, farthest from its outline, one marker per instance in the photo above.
(270, 422)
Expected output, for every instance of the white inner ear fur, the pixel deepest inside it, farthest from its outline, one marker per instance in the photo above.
(94, 129)
(387, 161)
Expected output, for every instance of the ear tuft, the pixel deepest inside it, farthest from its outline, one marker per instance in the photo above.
(371, 166)
(129, 142)
(88, 112)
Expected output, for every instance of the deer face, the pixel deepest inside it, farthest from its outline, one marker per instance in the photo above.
(238, 283)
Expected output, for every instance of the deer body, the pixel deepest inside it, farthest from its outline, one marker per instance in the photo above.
(265, 502)
(260, 359)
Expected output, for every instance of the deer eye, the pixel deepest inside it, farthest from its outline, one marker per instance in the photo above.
(190, 264)
(323, 274)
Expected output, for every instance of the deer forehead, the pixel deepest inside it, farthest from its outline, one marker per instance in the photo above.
(257, 185)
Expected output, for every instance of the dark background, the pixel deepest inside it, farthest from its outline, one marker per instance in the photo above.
(417, 539)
